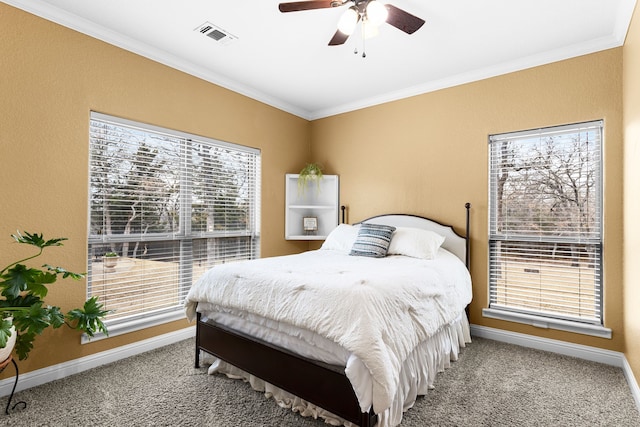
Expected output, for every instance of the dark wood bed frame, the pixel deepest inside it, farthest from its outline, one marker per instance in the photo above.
(319, 383)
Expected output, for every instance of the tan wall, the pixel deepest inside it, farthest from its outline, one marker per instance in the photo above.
(424, 155)
(428, 155)
(631, 128)
(51, 78)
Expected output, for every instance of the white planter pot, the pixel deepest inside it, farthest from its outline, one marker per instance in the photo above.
(5, 352)
(110, 262)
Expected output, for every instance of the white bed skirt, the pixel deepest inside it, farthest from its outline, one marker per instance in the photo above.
(417, 375)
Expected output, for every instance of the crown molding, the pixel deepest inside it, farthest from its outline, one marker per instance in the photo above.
(48, 12)
(524, 63)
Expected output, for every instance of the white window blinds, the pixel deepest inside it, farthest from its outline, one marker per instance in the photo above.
(545, 242)
(169, 205)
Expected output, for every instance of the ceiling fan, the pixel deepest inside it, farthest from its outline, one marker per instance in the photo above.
(369, 11)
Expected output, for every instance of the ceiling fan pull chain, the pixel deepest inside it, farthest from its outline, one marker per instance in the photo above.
(364, 21)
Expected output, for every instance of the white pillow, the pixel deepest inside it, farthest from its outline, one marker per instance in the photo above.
(341, 238)
(415, 242)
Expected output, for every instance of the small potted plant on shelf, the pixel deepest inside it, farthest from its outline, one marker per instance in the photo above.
(23, 312)
(310, 173)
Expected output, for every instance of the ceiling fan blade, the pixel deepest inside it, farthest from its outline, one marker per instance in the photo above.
(339, 37)
(403, 20)
(306, 5)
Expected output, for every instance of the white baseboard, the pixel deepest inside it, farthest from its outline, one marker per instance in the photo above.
(631, 380)
(585, 352)
(61, 370)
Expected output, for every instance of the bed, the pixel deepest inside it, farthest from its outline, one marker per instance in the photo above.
(350, 339)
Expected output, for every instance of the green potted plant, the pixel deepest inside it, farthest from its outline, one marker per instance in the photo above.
(23, 312)
(310, 173)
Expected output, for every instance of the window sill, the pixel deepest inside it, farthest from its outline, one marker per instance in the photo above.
(548, 323)
(134, 325)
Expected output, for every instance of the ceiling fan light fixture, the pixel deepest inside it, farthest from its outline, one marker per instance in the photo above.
(369, 31)
(348, 21)
(376, 12)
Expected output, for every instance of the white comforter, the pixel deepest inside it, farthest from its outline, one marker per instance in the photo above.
(378, 309)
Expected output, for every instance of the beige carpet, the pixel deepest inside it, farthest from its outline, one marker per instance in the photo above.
(493, 384)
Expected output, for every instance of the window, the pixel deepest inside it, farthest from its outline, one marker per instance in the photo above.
(169, 205)
(545, 242)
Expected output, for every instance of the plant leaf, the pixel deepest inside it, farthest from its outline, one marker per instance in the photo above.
(24, 344)
(34, 320)
(15, 280)
(19, 278)
(37, 240)
(56, 318)
(37, 284)
(21, 302)
(65, 273)
(89, 318)
(5, 332)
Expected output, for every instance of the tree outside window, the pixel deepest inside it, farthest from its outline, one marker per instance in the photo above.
(170, 205)
(546, 222)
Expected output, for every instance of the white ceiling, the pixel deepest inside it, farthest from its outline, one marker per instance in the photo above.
(283, 60)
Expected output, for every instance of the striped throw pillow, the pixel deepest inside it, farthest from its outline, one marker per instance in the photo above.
(373, 240)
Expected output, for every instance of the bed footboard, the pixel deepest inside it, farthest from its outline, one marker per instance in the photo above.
(319, 383)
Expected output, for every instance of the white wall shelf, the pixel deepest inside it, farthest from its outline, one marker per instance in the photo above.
(314, 201)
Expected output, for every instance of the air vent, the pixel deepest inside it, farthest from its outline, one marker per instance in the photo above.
(216, 33)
